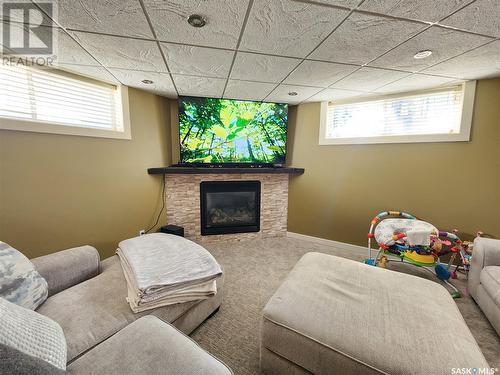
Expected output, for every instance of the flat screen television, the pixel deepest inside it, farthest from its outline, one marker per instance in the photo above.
(227, 131)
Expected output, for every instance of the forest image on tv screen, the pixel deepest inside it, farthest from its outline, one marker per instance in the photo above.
(232, 131)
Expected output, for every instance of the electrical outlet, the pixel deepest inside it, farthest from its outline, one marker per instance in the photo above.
(142, 232)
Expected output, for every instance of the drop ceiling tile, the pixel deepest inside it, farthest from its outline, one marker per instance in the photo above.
(263, 68)
(208, 62)
(95, 72)
(415, 82)
(162, 83)
(318, 73)
(247, 90)
(280, 94)
(224, 21)
(336, 94)
(368, 79)
(117, 52)
(483, 62)
(363, 37)
(119, 17)
(444, 43)
(199, 86)
(423, 10)
(482, 17)
(289, 28)
(341, 3)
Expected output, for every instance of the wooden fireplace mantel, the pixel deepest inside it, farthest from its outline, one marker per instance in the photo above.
(225, 170)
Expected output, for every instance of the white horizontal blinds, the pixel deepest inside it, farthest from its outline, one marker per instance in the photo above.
(37, 95)
(427, 113)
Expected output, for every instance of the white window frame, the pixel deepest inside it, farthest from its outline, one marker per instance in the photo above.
(38, 126)
(469, 92)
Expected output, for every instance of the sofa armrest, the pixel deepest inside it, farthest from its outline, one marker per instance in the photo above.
(66, 268)
(486, 253)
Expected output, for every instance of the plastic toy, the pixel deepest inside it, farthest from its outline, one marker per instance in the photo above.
(410, 240)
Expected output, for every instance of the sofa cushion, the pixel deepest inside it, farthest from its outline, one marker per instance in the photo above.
(96, 309)
(32, 333)
(148, 346)
(20, 283)
(334, 313)
(16, 362)
(490, 280)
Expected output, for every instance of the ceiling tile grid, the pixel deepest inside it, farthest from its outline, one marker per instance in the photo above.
(264, 49)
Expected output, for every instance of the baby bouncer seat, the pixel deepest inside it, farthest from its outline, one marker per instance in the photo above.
(401, 236)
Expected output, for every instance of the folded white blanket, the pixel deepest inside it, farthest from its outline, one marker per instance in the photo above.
(163, 269)
(418, 237)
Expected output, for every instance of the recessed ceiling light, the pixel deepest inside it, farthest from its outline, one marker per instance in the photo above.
(292, 93)
(423, 54)
(196, 20)
(147, 81)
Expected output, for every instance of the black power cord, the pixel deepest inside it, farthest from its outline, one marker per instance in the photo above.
(162, 205)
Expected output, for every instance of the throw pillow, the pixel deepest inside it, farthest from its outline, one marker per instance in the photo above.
(32, 333)
(20, 283)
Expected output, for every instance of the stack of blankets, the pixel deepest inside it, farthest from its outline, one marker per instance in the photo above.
(163, 269)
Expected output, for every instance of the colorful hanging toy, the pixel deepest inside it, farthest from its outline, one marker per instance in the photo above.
(407, 239)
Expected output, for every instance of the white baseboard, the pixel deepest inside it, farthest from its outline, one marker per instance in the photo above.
(332, 243)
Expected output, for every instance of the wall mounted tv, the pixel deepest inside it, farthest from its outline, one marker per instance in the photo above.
(226, 131)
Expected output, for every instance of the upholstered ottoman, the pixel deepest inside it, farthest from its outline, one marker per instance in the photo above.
(335, 316)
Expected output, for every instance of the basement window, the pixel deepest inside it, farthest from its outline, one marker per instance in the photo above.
(53, 101)
(440, 115)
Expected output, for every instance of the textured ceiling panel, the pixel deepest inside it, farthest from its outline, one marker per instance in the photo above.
(444, 43)
(123, 53)
(120, 17)
(246, 90)
(368, 79)
(281, 94)
(320, 74)
(362, 37)
(208, 62)
(423, 10)
(224, 21)
(482, 17)
(162, 83)
(95, 72)
(335, 94)
(341, 3)
(263, 68)
(286, 27)
(483, 62)
(415, 82)
(199, 86)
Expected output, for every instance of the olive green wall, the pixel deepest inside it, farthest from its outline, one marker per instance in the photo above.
(452, 185)
(59, 191)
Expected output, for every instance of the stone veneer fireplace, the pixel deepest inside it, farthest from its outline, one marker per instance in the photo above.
(184, 204)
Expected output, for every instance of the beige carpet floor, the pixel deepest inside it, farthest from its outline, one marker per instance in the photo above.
(254, 270)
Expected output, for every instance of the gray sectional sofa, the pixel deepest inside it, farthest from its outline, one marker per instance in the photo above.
(484, 278)
(103, 335)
